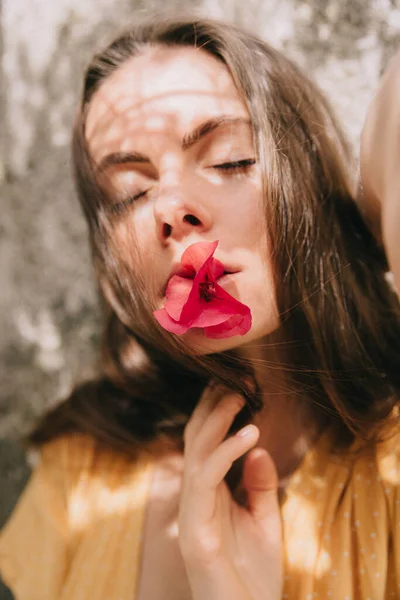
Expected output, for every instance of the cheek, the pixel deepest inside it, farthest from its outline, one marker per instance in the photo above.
(262, 293)
(252, 230)
(243, 212)
(258, 291)
(265, 312)
(133, 232)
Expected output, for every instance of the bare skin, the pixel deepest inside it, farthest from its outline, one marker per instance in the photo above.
(160, 552)
(222, 547)
(379, 165)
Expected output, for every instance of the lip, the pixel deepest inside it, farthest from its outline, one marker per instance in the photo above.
(226, 276)
(178, 270)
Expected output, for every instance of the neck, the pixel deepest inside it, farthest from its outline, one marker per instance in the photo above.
(287, 424)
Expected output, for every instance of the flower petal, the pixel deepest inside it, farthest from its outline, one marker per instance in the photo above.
(235, 325)
(221, 308)
(213, 315)
(216, 268)
(200, 302)
(195, 304)
(230, 301)
(196, 255)
(177, 295)
(169, 324)
(182, 294)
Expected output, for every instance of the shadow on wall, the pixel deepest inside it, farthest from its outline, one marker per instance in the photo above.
(342, 29)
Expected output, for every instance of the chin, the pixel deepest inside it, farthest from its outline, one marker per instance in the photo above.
(261, 328)
(202, 344)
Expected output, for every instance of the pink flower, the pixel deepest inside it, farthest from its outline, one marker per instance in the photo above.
(194, 298)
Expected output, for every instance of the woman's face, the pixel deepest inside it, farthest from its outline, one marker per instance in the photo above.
(173, 139)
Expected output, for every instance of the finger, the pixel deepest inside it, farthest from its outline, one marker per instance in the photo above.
(211, 395)
(218, 464)
(260, 481)
(215, 427)
(202, 487)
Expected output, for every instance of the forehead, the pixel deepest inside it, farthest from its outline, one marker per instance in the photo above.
(163, 90)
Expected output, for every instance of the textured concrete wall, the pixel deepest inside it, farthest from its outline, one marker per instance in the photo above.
(49, 318)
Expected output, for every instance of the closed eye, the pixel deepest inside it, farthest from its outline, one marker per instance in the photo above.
(119, 207)
(231, 167)
(235, 166)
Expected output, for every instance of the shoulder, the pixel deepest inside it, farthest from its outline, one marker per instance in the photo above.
(362, 476)
(388, 470)
(79, 495)
(378, 466)
(76, 481)
(95, 477)
(381, 463)
(78, 456)
(372, 488)
(341, 517)
(388, 457)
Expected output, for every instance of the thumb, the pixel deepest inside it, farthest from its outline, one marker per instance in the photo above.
(260, 481)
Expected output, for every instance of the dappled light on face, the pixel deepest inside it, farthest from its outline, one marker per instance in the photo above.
(171, 134)
(158, 92)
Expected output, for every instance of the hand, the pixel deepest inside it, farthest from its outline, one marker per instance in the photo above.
(229, 551)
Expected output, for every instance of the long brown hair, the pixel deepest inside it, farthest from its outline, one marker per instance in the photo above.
(340, 319)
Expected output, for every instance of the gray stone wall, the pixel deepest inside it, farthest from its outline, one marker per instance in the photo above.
(49, 316)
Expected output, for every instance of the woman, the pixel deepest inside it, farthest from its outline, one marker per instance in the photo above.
(243, 296)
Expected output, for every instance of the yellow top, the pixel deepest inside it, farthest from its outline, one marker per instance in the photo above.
(76, 531)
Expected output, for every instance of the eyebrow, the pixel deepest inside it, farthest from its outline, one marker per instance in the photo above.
(189, 140)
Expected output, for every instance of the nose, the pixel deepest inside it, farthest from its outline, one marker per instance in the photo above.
(177, 217)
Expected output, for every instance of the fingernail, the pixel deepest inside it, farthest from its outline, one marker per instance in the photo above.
(245, 431)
